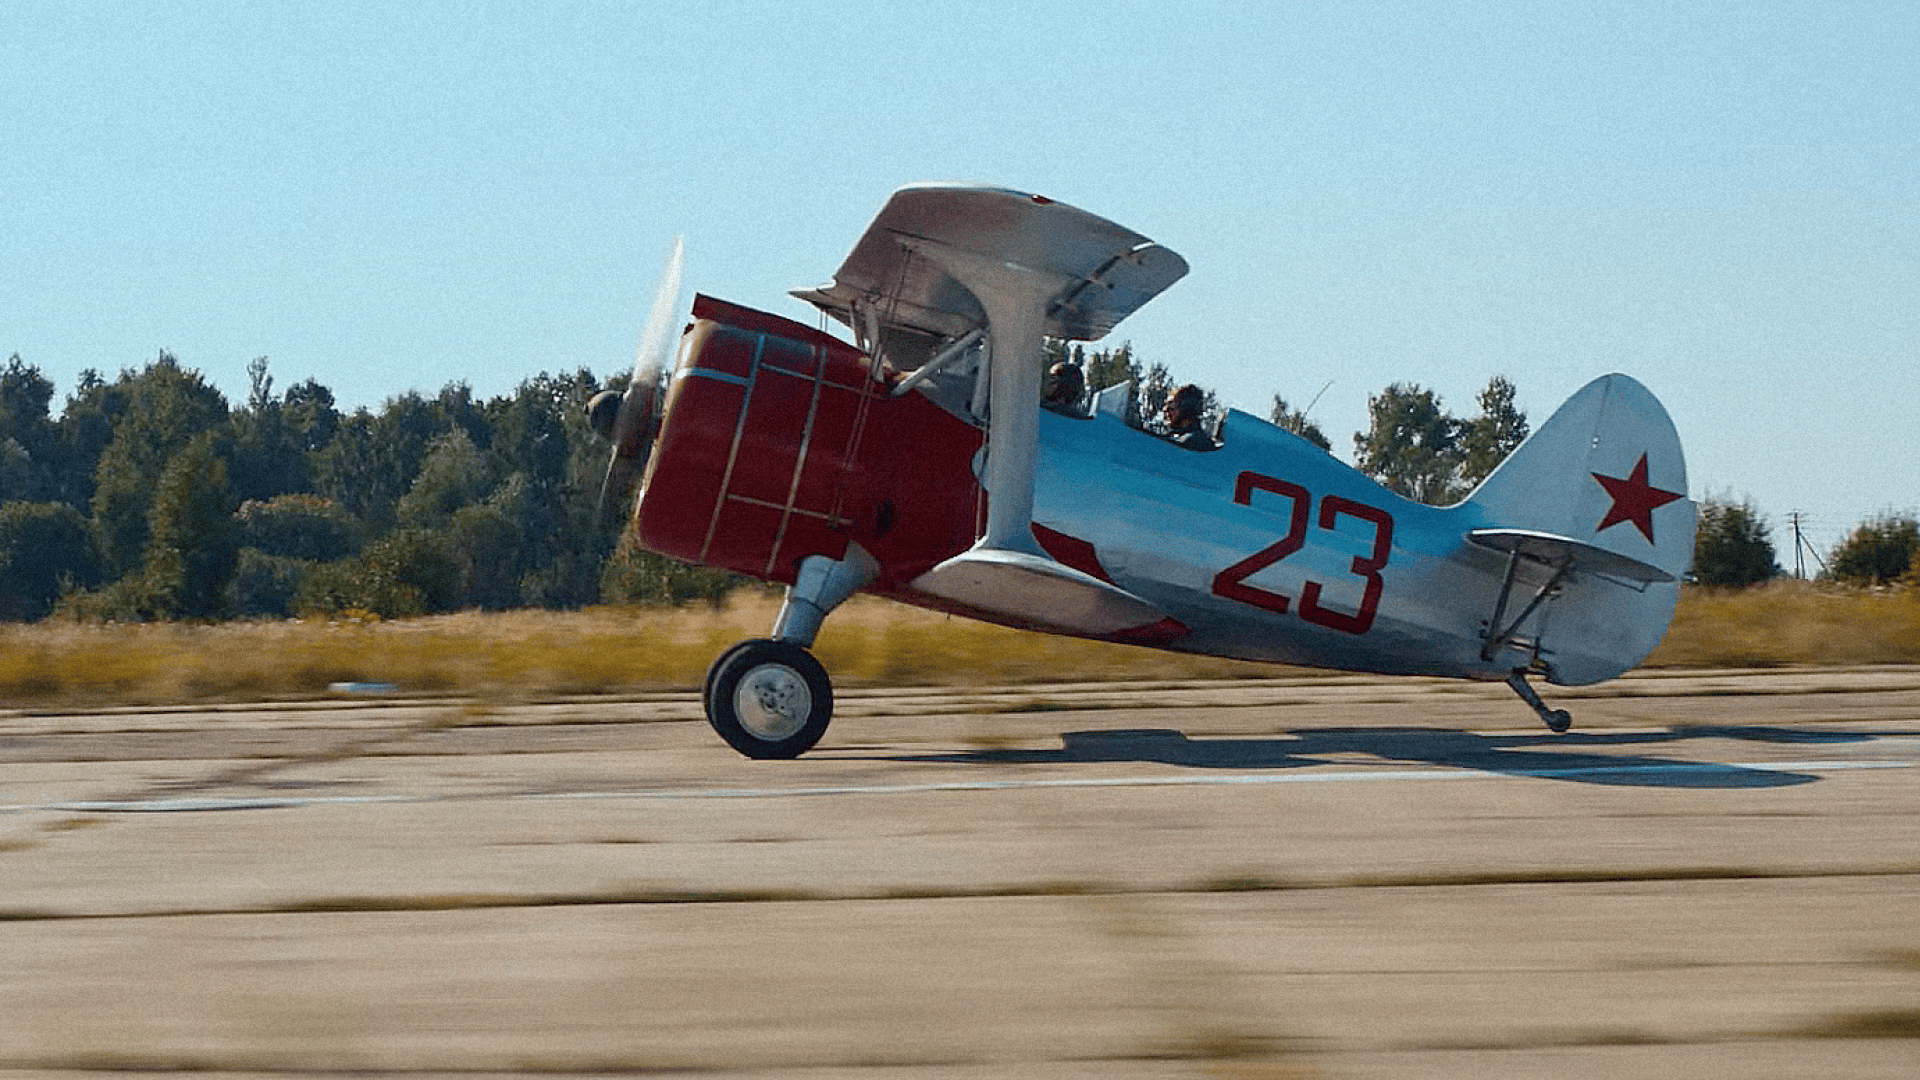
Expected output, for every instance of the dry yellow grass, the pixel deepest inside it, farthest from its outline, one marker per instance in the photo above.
(1792, 623)
(622, 650)
(536, 653)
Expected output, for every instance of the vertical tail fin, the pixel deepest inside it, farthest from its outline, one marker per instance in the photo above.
(1605, 472)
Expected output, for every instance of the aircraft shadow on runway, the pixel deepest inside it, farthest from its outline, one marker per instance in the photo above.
(1578, 757)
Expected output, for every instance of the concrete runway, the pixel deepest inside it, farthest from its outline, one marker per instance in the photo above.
(1712, 875)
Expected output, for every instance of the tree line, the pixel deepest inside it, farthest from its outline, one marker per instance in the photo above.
(1734, 549)
(150, 496)
(1412, 444)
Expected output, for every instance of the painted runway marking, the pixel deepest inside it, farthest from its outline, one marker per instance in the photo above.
(195, 805)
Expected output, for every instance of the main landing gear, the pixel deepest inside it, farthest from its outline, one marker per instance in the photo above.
(768, 697)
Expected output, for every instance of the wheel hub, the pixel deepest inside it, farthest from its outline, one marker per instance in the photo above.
(772, 701)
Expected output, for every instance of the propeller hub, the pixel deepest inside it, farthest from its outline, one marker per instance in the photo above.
(603, 412)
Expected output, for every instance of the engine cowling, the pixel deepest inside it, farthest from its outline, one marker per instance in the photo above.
(779, 441)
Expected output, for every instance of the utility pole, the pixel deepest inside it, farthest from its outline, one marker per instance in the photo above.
(1799, 560)
(1801, 548)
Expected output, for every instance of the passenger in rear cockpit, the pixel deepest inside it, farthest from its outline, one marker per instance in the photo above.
(1063, 389)
(1180, 420)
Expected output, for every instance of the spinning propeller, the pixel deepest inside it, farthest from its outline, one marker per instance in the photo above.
(629, 420)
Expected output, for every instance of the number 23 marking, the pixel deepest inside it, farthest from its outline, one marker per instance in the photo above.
(1231, 583)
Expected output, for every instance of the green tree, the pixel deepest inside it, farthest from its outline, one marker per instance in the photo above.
(634, 576)
(452, 475)
(1415, 447)
(165, 408)
(462, 469)
(357, 469)
(264, 584)
(407, 572)
(194, 538)
(282, 539)
(374, 458)
(1487, 439)
(309, 411)
(528, 431)
(1108, 367)
(484, 540)
(567, 547)
(1150, 394)
(457, 408)
(45, 549)
(84, 429)
(274, 438)
(1286, 418)
(1732, 548)
(1411, 445)
(19, 479)
(1878, 551)
(28, 434)
(299, 526)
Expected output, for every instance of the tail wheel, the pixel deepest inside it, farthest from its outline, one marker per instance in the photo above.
(769, 699)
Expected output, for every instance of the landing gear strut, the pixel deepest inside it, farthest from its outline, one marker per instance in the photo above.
(768, 697)
(1557, 720)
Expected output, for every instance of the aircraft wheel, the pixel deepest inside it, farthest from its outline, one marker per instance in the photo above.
(713, 670)
(769, 699)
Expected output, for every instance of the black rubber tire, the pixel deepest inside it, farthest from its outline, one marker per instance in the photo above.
(768, 699)
(713, 669)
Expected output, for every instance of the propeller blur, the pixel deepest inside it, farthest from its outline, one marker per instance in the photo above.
(628, 420)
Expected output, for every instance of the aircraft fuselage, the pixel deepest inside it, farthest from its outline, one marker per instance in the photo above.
(781, 443)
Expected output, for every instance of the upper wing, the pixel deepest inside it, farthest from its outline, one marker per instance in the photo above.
(1105, 272)
(944, 262)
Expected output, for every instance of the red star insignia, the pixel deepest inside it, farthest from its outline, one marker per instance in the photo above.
(1634, 500)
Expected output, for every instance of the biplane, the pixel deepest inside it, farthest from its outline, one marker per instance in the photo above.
(915, 462)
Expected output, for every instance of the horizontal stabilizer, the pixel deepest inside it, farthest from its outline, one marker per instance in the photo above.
(1038, 592)
(1558, 551)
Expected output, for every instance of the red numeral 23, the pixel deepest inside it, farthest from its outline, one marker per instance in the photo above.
(1231, 583)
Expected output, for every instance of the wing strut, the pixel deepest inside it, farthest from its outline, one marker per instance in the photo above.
(1015, 298)
(940, 360)
(1498, 638)
(1006, 571)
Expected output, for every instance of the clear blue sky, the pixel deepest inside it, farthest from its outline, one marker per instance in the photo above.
(1720, 199)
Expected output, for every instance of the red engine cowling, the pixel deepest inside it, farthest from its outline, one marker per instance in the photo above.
(779, 441)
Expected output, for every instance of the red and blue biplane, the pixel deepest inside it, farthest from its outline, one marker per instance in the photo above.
(916, 463)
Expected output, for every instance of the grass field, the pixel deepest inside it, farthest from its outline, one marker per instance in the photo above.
(527, 655)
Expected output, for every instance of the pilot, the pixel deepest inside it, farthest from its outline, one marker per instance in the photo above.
(1180, 419)
(1064, 387)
